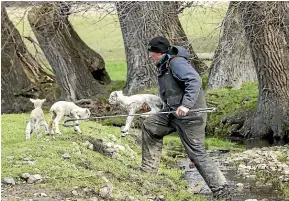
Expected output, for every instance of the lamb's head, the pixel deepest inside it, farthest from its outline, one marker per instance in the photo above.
(113, 97)
(83, 113)
(37, 102)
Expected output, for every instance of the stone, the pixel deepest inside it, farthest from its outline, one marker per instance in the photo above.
(130, 198)
(240, 185)
(43, 194)
(74, 192)
(25, 176)
(10, 157)
(90, 147)
(66, 156)
(37, 178)
(105, 193)
(9, 181)
(109, 144)
(251, 177)
(29, 162)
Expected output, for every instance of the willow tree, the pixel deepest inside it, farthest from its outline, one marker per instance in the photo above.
(232, 62)
(266, 30)
(140, 22)
(80, 71)
(16, 84)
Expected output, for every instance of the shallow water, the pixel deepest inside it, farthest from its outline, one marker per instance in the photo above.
(249, 191)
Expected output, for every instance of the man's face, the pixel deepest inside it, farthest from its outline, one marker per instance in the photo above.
(155, 56)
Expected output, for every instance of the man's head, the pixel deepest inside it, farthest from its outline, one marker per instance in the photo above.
(158, 46)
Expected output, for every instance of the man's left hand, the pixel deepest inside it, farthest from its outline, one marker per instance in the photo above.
(182, 111)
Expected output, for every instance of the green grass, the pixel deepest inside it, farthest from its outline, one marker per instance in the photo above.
(116, 70)
(229, 102)
(285, 190)
(59, 173)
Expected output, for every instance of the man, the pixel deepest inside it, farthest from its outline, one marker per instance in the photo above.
(180, 87)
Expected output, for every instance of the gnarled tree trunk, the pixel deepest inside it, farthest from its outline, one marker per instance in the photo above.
(79, 70)
(232, 63)
(140, 22)
(266, 34)
(16, 87)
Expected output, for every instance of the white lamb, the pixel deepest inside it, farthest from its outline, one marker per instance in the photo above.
(63, 108)
(134, 103)
(36, 119)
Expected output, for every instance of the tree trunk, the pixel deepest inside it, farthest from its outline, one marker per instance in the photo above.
(266, 33)
(232, 63)
(79, 70)
(140, 22)
(16, 87)
(177, 35)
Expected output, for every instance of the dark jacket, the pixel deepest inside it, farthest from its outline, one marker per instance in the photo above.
(179, 82)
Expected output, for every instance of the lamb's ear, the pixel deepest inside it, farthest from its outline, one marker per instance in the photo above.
(32, 100)
(43, 100)
(87, 110)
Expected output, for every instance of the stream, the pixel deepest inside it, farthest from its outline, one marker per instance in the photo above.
(249, 191)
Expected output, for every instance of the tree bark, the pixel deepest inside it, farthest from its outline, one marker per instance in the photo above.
(266, 33)
(79, 70)
(16, 87)
(140, 22)
(232, 62)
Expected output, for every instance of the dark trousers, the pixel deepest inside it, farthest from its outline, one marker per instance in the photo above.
(192, 135)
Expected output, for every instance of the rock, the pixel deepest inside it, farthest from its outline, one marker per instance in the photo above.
(130, 198)
(10, 157)
(119, 147)
(251, 177)
(74, 167)
(37, 178)
(93, 199)
(133, 176)
(9, 181)
(66, 156)
(25, 176)
(86, 144)
(43, 194)
(110, 150)
(240, 185)
(160, 198)
(108, 144)
(29, 162)
(74, 192)
(90, 147)
(195, 188)
(105, 193)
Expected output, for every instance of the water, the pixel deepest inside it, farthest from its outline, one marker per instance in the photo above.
(249, 191)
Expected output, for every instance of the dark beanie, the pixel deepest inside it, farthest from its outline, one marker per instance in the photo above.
(159, 44)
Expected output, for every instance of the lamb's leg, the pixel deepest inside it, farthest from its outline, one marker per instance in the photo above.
(37, 128)
(51, 123)
(46, 127)
(76, 123)
(128, 121)
(56, 122)
(28, 130)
